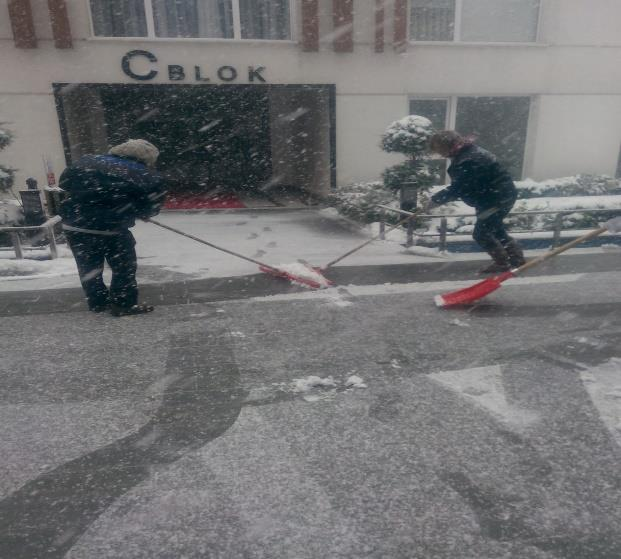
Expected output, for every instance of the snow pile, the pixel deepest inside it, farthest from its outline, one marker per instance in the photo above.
(313, 381)
(12, 269)
(578, 185)
(576, 220)
(354, 381)
(11, 213)
(297, 269)
(314, 388)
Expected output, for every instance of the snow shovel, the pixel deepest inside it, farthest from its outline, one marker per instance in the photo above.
(313, 281)
(479, 290)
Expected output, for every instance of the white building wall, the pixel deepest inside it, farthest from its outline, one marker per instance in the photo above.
(574, 71)
(577, 134)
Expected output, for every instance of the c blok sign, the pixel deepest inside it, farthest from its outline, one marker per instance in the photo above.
(177, 72)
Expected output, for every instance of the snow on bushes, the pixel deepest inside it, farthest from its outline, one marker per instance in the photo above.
(6, 173)
(409, 135)
(578, 185)
(11, 213)
(359, 202)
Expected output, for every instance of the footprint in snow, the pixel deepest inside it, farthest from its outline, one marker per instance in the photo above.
(272, 244)
(252, 236)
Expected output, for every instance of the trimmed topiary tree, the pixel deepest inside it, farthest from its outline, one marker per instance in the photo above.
(409, 136)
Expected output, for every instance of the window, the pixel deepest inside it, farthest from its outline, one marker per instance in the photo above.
(432, 20)
(218, 19)
(482, 21)
(264, 19)
(193, 18)
(436, 110)
(119, 18)
(499, 123)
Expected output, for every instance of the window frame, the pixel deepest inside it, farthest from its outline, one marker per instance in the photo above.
(451, 118)
(151, 36)
(457, 24)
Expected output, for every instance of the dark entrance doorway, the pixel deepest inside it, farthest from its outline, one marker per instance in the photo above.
(248, 140)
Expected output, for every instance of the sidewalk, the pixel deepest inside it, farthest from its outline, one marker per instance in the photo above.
(274, 237)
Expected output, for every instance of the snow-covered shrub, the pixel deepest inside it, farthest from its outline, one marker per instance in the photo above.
(414, 173)
(359, 202)
(578, 185)
(6, 173)
(11, 215)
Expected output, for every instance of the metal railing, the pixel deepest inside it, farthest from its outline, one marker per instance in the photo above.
(443, 232)
(47, 228)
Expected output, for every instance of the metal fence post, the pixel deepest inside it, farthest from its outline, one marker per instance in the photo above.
(17, 245)
(52, 239)
(382, 231)
(409, 239)
(443, 232)
(558, 227)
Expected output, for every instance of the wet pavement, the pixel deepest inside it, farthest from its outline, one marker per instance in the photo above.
(483, 432)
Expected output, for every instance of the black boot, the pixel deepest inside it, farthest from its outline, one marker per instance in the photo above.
(500, 261)
(515, 253)
(118, 310)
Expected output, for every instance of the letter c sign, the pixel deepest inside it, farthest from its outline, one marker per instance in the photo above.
(126, 66)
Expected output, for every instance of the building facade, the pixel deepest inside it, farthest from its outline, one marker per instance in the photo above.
(298, 92)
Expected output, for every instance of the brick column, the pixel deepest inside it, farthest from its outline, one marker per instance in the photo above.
(60, 23)
(343, 18)
(401, 26)
(380, 16)
(20, 14)
(310, 25)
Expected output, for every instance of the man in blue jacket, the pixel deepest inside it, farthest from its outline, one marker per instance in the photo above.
(105, 195)
(480, 181)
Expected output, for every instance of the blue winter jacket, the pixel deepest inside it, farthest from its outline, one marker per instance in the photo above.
(108, 193)
(479, 180)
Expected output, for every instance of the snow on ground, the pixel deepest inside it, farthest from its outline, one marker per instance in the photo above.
(313, 381)
(267, 236)
(603, 383)
(354, 381)
(36, 265)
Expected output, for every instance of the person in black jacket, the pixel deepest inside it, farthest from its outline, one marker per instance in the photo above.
(479, 180)
(105, 195)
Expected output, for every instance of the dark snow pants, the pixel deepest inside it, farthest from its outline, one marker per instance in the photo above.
(489, 230)
(90, 251)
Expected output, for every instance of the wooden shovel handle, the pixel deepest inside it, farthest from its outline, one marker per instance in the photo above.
(558, 250)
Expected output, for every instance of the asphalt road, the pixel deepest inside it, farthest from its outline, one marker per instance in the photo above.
(483, 432)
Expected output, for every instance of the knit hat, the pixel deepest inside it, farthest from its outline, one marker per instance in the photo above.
(137, 149)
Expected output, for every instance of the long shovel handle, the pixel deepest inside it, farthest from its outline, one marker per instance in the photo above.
(202, 241)
(562, 248)
(356, 249)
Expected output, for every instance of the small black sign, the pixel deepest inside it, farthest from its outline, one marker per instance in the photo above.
(33, 207)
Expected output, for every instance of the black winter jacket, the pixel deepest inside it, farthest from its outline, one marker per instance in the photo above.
(478, 180)
(108, 193)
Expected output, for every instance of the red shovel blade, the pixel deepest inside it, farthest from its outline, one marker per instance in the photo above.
(290, 277)
(473, 293)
